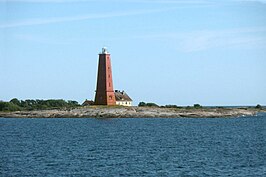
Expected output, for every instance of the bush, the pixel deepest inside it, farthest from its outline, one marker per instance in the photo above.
(152, 105)
(197, 106)
(142, 104)
(147, 104)
(172, 106)
(258, 106)
(16, 105)
(15, 101)
(72, 103)
(7, 106)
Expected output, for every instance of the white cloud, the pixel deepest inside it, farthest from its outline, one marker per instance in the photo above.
(121, 1)
(42, 1)
(210, 39)
(43, 39)
(203, 40)
(136, 1)
(200, 3)
(257, 1)
(188, 42)
(40, 21)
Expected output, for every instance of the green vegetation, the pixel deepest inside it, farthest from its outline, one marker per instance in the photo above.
(8, 106)
(18, 105)
(143, 104)
(258, 106)
(197, 106)
(172, 106)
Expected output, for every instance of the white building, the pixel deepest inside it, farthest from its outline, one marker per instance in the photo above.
(122, 98)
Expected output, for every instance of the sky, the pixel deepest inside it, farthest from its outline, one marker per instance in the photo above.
(178, 52)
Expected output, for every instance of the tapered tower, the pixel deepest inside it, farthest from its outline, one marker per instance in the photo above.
(104, 91)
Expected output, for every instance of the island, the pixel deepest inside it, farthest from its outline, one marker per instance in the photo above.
(133, 112)
(72, 109)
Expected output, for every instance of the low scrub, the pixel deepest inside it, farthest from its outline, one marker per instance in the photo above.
(18, 105)
(7, 106)
(258, 106)
(172, 106)
(143, 104)
(197, 106)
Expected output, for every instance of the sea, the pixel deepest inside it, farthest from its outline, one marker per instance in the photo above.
(133, 147)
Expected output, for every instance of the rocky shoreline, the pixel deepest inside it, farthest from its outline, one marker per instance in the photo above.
(133, 112)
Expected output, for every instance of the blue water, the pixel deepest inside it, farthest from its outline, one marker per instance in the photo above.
(133, 147)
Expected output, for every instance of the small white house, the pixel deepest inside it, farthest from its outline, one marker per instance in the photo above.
(122, 98)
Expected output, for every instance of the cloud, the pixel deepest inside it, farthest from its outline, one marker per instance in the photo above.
(120, 1)
(178, 2)
(43, 1)
(211, 39)
(41, 21)
(256, 1)
(135, 1)
(43, 39)
(203, 40)
(187, 42)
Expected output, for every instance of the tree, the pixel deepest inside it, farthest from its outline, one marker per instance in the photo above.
(29, 104)
(72, 103)
(15, 101)
(148, 104)
(152, 105)
(258, 106)
(197, 106)
(9, 106)
(142, 104)
(172, 106)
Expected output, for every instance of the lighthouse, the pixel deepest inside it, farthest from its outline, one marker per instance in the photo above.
(104, 90)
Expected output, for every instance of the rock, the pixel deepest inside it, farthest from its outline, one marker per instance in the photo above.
(132, 112)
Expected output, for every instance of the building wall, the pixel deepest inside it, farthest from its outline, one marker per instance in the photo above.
(124, 103)
(104, 90)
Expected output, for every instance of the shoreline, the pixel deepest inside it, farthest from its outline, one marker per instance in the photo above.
(134, 112)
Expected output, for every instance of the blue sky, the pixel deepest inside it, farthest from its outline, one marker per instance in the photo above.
(163, 51)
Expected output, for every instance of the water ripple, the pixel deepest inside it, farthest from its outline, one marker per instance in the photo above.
(133, 147)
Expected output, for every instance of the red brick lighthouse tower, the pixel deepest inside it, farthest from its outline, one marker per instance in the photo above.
(105, 92)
